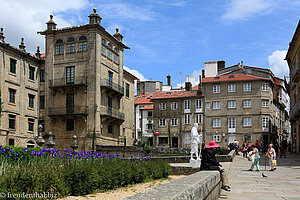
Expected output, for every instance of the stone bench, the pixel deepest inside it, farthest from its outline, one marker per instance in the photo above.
(201, 185)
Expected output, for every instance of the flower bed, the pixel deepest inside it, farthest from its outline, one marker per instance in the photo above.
(72, 173)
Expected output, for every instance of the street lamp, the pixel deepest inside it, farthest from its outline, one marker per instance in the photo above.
(94, 133)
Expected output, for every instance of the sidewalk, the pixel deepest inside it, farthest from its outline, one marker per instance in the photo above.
(283, 183)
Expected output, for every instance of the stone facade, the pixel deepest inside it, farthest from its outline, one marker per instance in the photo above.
(293, 59)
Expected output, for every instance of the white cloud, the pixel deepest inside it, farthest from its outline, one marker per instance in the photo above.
(244, 9)
(136, 73)
(24, 19)
(277, 63)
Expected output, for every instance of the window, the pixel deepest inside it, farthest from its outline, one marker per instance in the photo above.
(198, 105)
(31, 72)
(216, 105)
(231, 104)
(70, 103)
(70, 75)
(174, 122)
(187, 105)
(265, 103)
(42, 102)
(11, 142)
(162, 106)
(70, 125)
(127, 90)
(187, 119)
(12, 68)
(149, 126)
(110, 78)
(163, 140)
(109, 51)
(30, 144)
(265, 87)
(31, 101)
(207, 104)
(12, 95)
(162, 122)
(30, 125)
(247, 121)
(103, 49)
(110, 127)
(42, 75)
(71, 45)
(149, 113)
(247, 87)
(217, 138)
(216, 122)
(247, 103)
(265, 123)
(59, 47)
(199, 118)
(82, 44)
(174, 105)
(231, 125)
(231, 88)
(216, 89)
(12, 121)
(187, 138)
(116, 55)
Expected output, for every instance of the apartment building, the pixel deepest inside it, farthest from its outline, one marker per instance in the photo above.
(293, 59)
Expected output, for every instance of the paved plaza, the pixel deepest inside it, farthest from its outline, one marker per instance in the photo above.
(283, 183)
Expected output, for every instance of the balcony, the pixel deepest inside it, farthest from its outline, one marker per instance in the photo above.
(62, 82)
(112, 113)
(67, 111)
(105, 83)
(295, 111)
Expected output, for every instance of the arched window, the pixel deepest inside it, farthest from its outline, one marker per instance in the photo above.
(71, 45)
(59, 47)
(103, 48)
(30, 144)
(82, 44)
(109, 51)
(116, 55)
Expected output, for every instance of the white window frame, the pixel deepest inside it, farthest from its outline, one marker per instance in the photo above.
(265, 87)
(207, 105)
(187, 119)
(174, 122)
(231, 88)
(247, 121)
(217, 138)
(216, 89)
(231, 104)
(162, 106)
(265, 103)
(162, 122)
(247, 103)
(265, 124)
(199, 118)
(187, 106)
(198, 105)
(216, 105)
(231, 125)
(247, 87)
(174, 105)
(216, 122)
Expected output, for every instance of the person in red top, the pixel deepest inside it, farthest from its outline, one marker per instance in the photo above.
(256, 144)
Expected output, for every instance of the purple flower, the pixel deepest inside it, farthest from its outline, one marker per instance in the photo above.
(16, 154)
(131, 157)
(123, 158)
(24, 150)
(33, 153)
(10, 155)
(117, 155)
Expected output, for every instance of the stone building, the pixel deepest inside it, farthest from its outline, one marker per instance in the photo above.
(19, 84)
(293, 59)
(175, 113)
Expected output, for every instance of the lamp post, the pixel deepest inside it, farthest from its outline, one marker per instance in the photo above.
(94, 132)
(39, 139)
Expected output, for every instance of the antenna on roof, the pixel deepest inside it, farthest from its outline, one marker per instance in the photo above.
(188, 78)
(180, 73)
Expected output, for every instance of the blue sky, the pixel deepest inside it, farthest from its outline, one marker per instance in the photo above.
(171, 36)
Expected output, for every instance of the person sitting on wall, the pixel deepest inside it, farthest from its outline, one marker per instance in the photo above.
(209, 162)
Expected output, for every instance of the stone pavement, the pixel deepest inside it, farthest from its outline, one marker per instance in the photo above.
(283, 183)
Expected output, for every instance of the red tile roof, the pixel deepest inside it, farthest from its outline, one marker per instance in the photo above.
(174, 94)
(277, 80)
(147, 108)
(144, 99)
(235, 77)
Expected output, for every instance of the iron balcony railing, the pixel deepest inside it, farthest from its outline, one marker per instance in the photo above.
(70, 110)
(64, 82)
(295, 110)
(106, 111)
(113, 86)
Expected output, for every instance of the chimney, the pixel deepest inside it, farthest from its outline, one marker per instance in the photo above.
(38, 54)
(51, 25)
(203, 73)
(22, 46)
(199, 91)
(95, 18)
(169, 80)
(200, 80)
(1, 36)
(242, 63)
(221, 65)
(188, 86)
(118, 35)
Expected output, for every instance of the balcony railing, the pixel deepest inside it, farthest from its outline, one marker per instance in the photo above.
(106, 111)
(64, 82)
(295, 110)
(60, 111)
(113, 86)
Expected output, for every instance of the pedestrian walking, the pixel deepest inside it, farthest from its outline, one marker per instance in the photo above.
(271, 155)
(255, 161)
(262, 147)
(209, 162)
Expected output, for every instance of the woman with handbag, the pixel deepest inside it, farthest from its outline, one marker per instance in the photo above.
(254, 158)
(271, 154)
